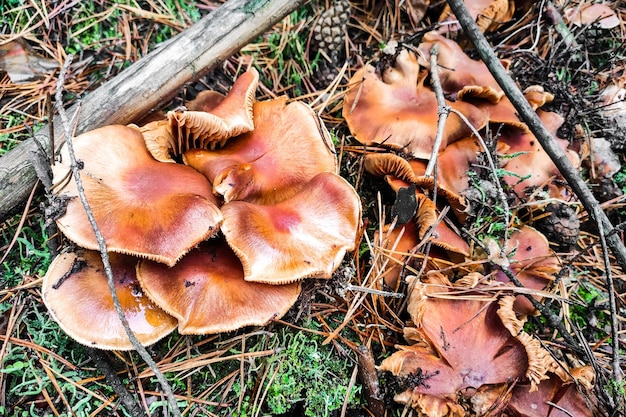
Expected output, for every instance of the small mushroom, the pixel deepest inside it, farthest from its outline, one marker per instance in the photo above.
(207, 293)
(186, 130)
(398, 172)
(304, 236)
(488, 14)
(532, 262)
(266, 165)
(393, 107)
(529, 165)
(76, 292)
(142, 207)
(460, 75)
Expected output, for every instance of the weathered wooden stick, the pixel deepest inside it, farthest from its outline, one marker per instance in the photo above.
(147, 84)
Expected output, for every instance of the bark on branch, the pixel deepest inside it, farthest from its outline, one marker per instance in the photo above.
(148, 84)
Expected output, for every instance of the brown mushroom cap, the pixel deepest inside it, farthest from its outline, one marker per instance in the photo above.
(460, 75)
(398, 172)
(396, 109)
(186, 130)
(76, 291)
(587, 14)
(553, 398)
(488, 14)
(462, 345)
(533, 263)
(304, 236)
(142, 207)
(532, 160)
(287, 148)
(206, 291)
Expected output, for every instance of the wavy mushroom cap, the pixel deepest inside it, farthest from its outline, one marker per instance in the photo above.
(207, 293)
(304, 236)
(488, 14)
(216, 120)
(459, 345)
(396, 109)
(533, 263)
(460, 75)
(554, 397)
(287, 148)
(532, 166)
(398, 172)
(588, 14)
(76, 292)
(142, 207)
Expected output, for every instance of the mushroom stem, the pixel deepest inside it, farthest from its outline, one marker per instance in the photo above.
(102, 244)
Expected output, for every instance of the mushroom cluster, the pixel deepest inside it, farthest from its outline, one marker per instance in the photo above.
(467, 348)
(467, 353)
(393, 106)
(212, 217)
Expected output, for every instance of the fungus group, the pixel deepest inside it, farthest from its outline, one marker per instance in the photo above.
(466, 352)
(212, 218)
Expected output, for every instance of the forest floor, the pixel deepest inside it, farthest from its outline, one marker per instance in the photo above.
(306, 363)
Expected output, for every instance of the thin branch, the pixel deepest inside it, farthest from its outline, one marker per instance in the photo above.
(443, 110)
(617, 371)
(101, 242)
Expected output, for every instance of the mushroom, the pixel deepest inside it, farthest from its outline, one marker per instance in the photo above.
(554, 397)
(76, 292)
(207, 293)
(142, 207)
(226, 118)
(453, 354)
(488, 14)
(393, 107)
(266, 166)
(532, 262)
(398, 172)
(459, 74)
(304, 236)
(588, 14)
(529, 165)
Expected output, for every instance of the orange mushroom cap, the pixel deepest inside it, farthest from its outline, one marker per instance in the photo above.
(587, 14)
(76, 292)
(186, 130)
(533, 161)
(488, 14)
(459, 74)
(462, 345)
(398, 172)
(207, 293)
(554, 397)
(142, 207)
(304, 236)
(533, 263)
(287, 148)
(396, 109)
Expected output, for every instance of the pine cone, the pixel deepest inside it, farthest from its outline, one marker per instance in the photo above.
(329, 37)
(561, 227)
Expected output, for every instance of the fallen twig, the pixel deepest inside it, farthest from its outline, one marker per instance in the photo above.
(369, 379)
